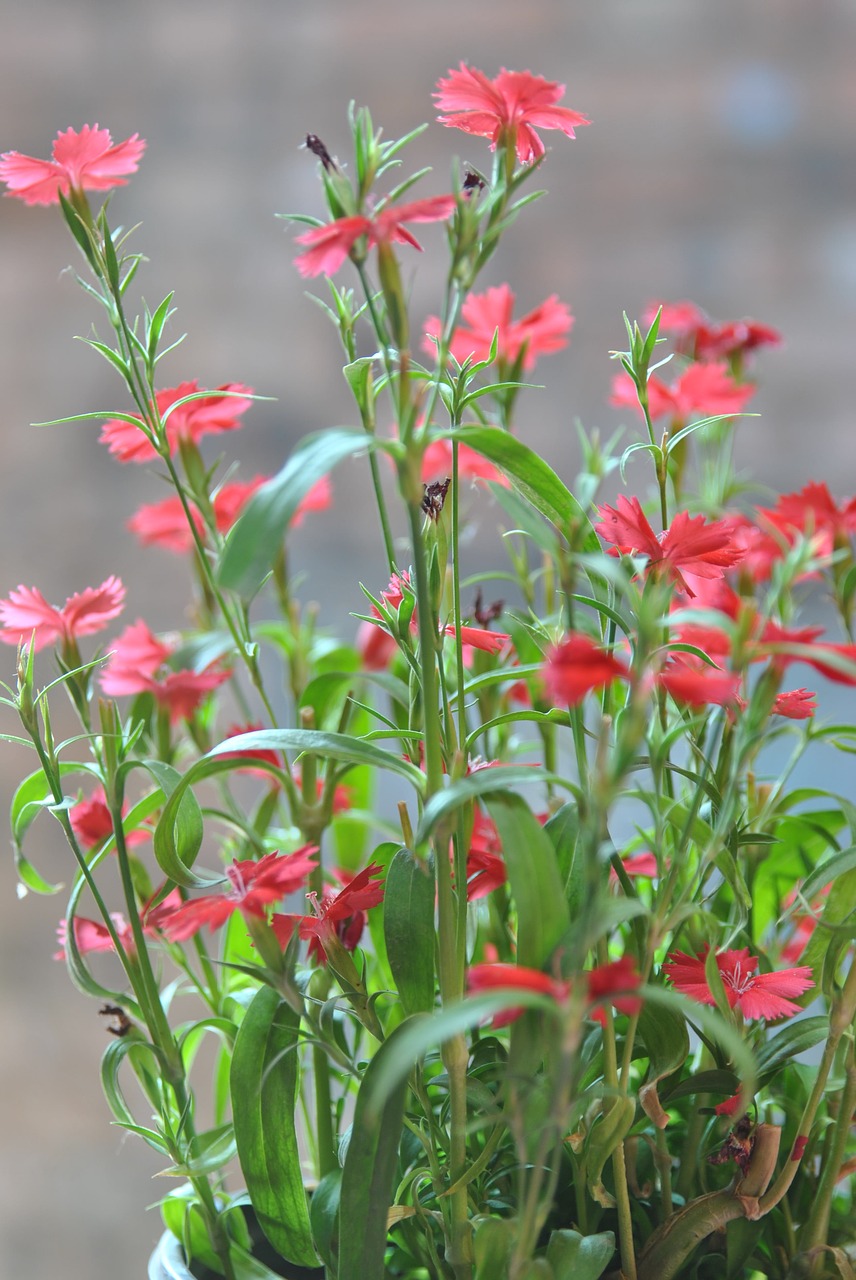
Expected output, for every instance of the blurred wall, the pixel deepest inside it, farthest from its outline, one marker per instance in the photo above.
(719, 167)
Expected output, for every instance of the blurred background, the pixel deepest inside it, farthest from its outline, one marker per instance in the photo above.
(720, 166)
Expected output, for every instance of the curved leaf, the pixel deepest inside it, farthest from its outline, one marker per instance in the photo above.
(264, 1096)
(408, 921)
(255, 539)
(370, 1165)
(532, 477)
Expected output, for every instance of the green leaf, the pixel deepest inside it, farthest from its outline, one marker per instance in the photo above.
(667, 1043)
(796, 1037)
(474, 786)
(576, 1257)
(370, 1166)
(255, 539)
(264, 1096)
(323, 1215)
(533, 478)
(408, 921)
(539, 893)
(606, 1135)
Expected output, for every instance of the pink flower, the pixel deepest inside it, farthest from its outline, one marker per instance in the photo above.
(189, 421)
(138, 664)
(93, 935)
(540, 332)
(85, 161)
(578, 665)
(253, 886)
(755, 995)
(26, 611)
(165, 524)
(703, 339)
(437, 464)
(91, 822)
(701, 391)
(507, 109)
(689, 544)
(327, 247)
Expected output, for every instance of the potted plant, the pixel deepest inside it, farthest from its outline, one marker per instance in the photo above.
(500, 931)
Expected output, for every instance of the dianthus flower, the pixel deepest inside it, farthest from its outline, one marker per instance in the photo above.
(85, 161)
(27, 611)
(507, 109)
(691, 681)
(339, 918)
(327, 247)
(604, 984)
(164, 524)
(701, 391)
(704, 339)
(689, 544)
(755, 995)
(437, 464)
(138, 664)
(578, 665)
(92, 824)
(538, 333)
(219, 410)
(253, 887)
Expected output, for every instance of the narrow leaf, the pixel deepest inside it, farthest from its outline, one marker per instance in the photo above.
(264, 1096)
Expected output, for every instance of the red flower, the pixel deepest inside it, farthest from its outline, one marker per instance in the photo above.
(541, 331)
(327, 247)
(602, 984)
(689, 544)
(93, 935)
(375, 646)
(339, 917)
(85, 161)
(507, 109)
(91, 822)
(504, 977)
(138, 665)
(795, 704)
(636, 864)
(701, 391)
(813, 512)
(480, 638)
(691, 681)
(27, 611)
(755, 995)
(486, 869)
(578, 665)
(730, 1105)
(608, 979)
(253, 886)
(189, 421)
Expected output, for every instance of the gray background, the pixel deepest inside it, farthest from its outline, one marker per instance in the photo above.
(719, 166)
